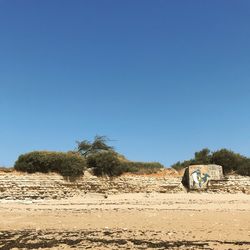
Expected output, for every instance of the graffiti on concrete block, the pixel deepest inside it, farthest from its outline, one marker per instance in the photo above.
(198, 176)
(199, 179)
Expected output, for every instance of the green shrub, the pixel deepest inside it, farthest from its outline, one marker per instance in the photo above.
(66, 164)
(72, 166)
(141, 167)
(105, 163)
(229, 160)
(111, 164)
(244, 168)
(200, 157)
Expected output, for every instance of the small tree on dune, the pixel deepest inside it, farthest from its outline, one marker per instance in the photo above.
(99, 144)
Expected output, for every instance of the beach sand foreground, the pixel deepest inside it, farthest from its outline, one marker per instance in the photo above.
(128, 221)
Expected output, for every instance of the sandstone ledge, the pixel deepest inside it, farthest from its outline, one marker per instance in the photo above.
(15, 185)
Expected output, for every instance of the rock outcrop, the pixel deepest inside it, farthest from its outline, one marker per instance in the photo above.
(15, 185)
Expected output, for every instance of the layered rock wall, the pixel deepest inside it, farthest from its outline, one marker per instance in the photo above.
(40, 186)
(231, 184)
(15, 185)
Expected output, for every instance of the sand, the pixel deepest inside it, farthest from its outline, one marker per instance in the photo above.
(128, 221)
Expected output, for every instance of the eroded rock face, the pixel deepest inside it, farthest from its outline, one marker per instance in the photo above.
(42, 186)
(23, 186)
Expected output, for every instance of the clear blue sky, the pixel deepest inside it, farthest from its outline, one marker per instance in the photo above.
(162, 79)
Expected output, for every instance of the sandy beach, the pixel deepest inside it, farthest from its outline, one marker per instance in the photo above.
(128, 221)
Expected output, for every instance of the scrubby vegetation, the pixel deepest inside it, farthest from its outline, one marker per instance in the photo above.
(97, 155)
(66, 164)
(104, 160)
(105, 163)
(6, 169)
(112, 164)
(229, 160)
(142, 167)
